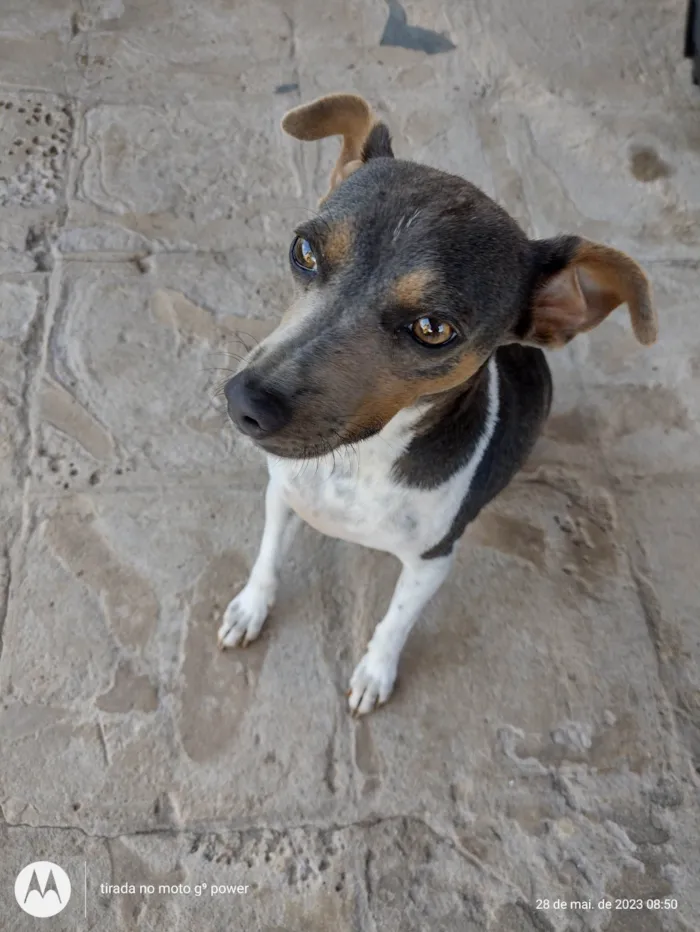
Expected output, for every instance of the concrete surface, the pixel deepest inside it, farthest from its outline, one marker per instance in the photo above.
(544, 741)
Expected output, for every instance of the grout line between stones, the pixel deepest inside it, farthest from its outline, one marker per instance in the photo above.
(217, 828)
(37, 345)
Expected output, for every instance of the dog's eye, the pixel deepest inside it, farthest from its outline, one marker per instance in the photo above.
(432, 332)
(303, 256)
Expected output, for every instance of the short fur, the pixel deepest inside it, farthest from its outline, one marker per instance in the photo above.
(409, 441)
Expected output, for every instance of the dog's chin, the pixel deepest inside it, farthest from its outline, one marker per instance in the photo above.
(297, 451)
(292, 451)
(297, 448)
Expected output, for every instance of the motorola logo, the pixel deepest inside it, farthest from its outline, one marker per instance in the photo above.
(42, 889)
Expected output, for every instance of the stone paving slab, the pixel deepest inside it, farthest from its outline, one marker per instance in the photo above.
(649, 404)
(543, 743)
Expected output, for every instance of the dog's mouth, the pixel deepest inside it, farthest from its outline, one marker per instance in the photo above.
(313, 445)
(295, 449)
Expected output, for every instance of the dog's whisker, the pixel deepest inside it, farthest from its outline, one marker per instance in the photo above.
(254, 340)
(225, 351)
(228, 355)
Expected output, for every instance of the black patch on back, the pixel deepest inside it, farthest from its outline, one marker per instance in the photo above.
(525, 396)
(378, 143)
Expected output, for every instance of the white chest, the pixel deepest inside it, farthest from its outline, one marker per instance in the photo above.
(353, 496)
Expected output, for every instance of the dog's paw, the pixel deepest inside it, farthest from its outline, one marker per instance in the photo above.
(245, 616)
(372, 682)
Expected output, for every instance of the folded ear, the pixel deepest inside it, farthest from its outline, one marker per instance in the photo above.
(577, 284)
(346, 115)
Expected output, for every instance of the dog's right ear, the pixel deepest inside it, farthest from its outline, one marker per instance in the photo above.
(346, 115)
(577, 284)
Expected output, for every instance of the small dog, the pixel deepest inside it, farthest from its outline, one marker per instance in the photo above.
(409, 369)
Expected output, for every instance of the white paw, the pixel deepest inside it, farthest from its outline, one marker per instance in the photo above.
(372, 682)
(245, 616)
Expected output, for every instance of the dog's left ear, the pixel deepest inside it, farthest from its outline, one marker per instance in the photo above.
(577, 283)
(346, 115)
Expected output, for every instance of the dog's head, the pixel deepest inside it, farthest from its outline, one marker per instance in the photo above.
(408, 279)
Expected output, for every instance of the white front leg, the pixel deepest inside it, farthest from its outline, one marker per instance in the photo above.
(246, 614)
(374, 676)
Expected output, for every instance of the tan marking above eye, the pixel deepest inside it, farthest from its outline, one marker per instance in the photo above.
(410, 290)
(431, 331)
(337, 243)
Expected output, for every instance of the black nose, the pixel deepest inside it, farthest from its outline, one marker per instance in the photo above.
(253, 409)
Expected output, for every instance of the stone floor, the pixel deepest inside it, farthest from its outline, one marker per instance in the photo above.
(544, 741)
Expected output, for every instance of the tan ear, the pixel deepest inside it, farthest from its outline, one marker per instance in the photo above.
(345, 115)
(591, 281)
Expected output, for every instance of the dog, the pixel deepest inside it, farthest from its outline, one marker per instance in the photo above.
(409, 369)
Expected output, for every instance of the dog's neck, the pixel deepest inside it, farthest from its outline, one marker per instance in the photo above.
(422, 445)
(446, 432)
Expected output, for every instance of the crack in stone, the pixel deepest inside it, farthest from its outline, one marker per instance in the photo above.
(367, 878)
(296, 160)
(103, 742)
(653, 618)
(309, 827)
(31, 396)
(652, 613)
(5, 593)
(329, 769)
(31, 348)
